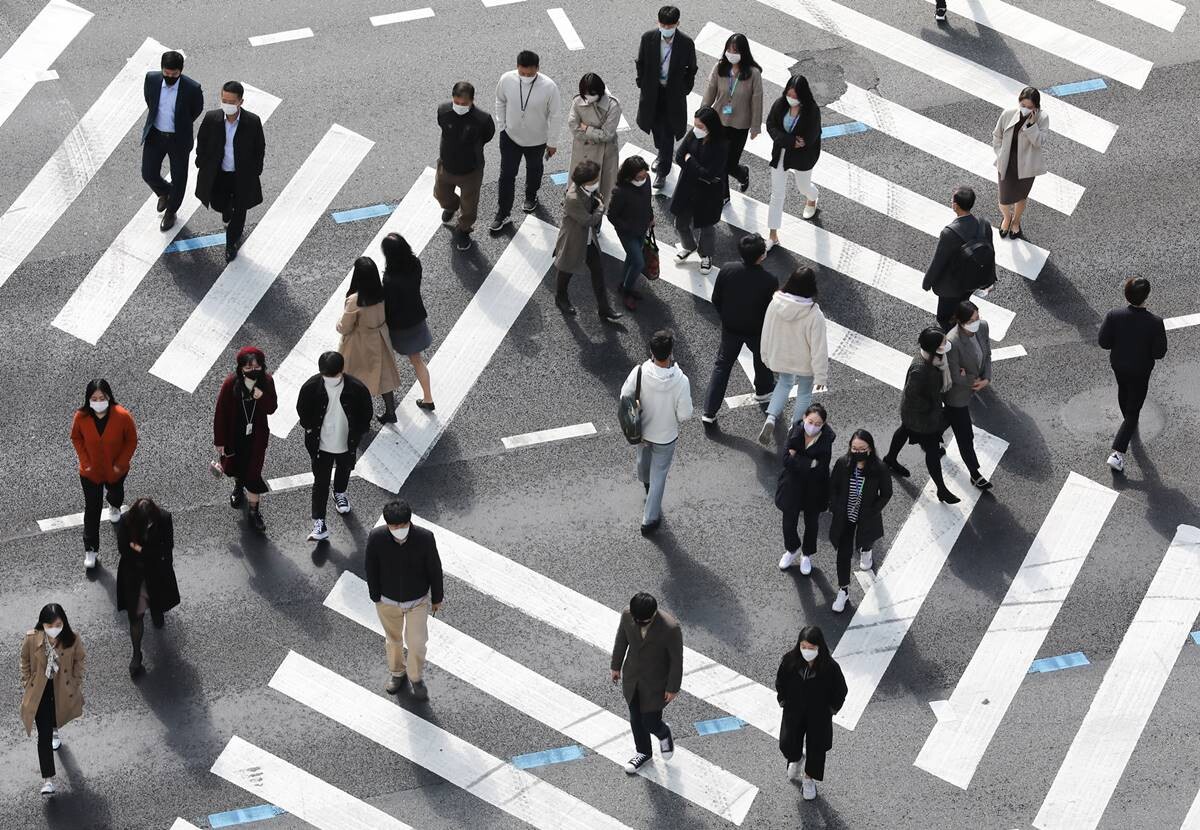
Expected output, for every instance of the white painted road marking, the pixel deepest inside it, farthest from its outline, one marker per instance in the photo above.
(490, 3)
(1182, 322)
(72, 520)
(1192, 820)
(565, 29)
(1164, 14)
(401, 17)
(1008, 353)
(543, 436)
(281, 37)
(29, 59)
(180, 824)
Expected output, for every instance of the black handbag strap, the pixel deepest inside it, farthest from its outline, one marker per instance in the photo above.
(637, 392)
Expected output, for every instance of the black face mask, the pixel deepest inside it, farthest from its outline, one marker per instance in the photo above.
(253, 374)
(859, 456)
(170, 81)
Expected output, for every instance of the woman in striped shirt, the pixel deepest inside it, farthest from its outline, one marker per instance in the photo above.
(859, 488)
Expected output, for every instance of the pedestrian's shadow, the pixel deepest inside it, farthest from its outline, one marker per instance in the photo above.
(276, 579)
(767, 463)
(79, 808)
(984, 45)
(174, 691)
(1058, 296)
(1166, 507)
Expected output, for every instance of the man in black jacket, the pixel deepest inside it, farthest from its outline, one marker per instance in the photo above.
(952, 276)
(230, 149)
(1135, 338)
(666, 73)
(741, 295)
(465, 129)
(404, 579)
(335, 413)
(173, 103)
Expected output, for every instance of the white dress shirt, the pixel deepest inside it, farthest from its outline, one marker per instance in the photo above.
(230, 131)
(335, 429)
(164, 119)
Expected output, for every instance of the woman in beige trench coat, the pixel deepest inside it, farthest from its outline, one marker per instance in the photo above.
(1019, 139)
(52, 659)
(364, 332)
(595, 116)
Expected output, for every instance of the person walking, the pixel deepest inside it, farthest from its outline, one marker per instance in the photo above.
(794, 125)
(803, 488)
(593, 121)
(145, 574)
(970, 364)
(408, 327)
(240, 433)
(741, 295)
(811, 689)
(1019, 140)
(859, 488)
(665, 396)
(647, 660)
(52, 664)
(465, 130)
(577, 248)
(230, 151)
(404, 578)
(527, 104)
(700, 192)
(1134, 338)
(334, 410)
(173, 103)
(632, 217)
(922, 419)
(963, 261)
(735, 91)
(666, 74)
(105, 440)
(364, 343)
(795, 345)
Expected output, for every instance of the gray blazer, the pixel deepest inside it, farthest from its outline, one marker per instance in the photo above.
(651, 666)
(964, 368)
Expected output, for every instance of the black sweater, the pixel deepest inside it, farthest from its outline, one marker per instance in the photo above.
(741, 295)
(629, 210)
(402, 301)
(403, 572)
(1135, 338)
(463, 137)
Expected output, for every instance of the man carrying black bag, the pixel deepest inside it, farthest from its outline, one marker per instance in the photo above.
(965, 259)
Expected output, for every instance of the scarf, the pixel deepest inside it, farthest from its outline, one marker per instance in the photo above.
(939, 362)
(51, 657)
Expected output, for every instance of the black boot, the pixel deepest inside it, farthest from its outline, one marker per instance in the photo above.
(256, 519)
(237, 497)
(560, 295)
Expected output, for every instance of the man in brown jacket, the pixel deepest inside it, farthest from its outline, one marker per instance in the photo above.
(649, 651)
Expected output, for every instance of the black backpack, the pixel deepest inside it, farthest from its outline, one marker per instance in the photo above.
(977, 258)
(629, 413)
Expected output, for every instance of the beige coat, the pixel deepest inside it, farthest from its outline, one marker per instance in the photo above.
(581, 214)
(747, 100)
(598, 141)
(68, 682)
(1031, 160)
(366, 348)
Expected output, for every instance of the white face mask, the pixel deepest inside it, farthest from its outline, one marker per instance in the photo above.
(945, 347)
(700, 132)
(732, 57)
(529, 79)
(1025, 110)
(53, 632)
(591, 99)
(229, 109)
(399, 535)
(460, 109)
(333, 383)
(591, 188)
(642, 181)
(811, 430)
(972, 327)
(667, 33)
(809, 654)
(98, 406)
(793, 102)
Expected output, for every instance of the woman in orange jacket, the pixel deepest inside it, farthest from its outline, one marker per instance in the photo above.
(105, 439)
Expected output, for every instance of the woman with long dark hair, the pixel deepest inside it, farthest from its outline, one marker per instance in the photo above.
(365, 344)
(794, 124)
(700, 192)
(811, 689)
(632, 216)
(794, 345)
(105, 438)
(859, 488)
(593, 121)
(804, 485)
(52, 662)
(735, 91)
(145, 574)
(404, 308)
(240, 433)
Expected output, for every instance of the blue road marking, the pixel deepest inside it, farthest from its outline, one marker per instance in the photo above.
(210, 241)
(549, 756)
(1063, 661)
(362, 213)
(844, 129)
(558, 178)
(1196, 637)
(1076, 88)
(246, 815)
(712, 727)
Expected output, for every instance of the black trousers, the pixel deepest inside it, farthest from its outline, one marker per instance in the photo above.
(727, 355)
(791, 538)
(946, 308)
(928, 443)
(941, 5)
(845, 558)
(511, 154)
(93, 496)
(814, 760)
(45, 720)
(595, 264)
(959, 419)
(223, 200)
(663, 134)
(645, 724)
(157, 146)
(737, 144)
(323, 464)
(1131, 395)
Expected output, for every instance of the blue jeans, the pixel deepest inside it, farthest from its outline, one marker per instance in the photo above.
(635, 259)
(653, 461)
(803, 384)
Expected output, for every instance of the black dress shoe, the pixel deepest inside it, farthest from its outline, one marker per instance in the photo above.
(653, 526)
(948, 497)
(158, 619)
(447, 215)
(565, 307)
(1003, 233)
(896, 467)
(1017, 234)
(231, 252)
(168, 222)
(135, 665)
(162, 203)
(236, 498)
(428, 406)
(386, 418)
(611, 316)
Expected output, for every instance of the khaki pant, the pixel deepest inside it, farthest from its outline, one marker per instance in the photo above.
(405, 629)
(466, 201)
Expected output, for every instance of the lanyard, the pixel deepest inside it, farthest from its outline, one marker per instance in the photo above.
(249, 415)
(662, 67)
(733, 82)
(525, 101)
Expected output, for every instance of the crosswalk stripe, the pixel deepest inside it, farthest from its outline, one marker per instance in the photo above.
(462, 356)
(903, 124)
(480, 773)
(56, 186)
(1192, 820)
(565, 29)
(1181, 322)
(401, 17)
(1164, 14)
(227, 305)
(543, 436)
(29, 59)
(970, 77)
(181, 824)
(913, 562)
(416, 218)
(126, 262)
(987, 687)
(1128, 693)
(687, 774)
(298, 791)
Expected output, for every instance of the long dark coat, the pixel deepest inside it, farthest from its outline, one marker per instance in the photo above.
(808, 705)
(249, 151)
(808, 127)
(154, 564)
(921, 398)
(650, 666)
(804, 480)
(700, 190)
(227, 428)
(876, 492)
(681, 78)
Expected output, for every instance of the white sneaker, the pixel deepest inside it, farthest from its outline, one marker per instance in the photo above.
(839, 602)
(809, 212)
(764, 397)
(767, 432)
(705, 264)
(89, 558)
(683, 253)
(114, 514)
(787, 560)
(865, 561)
(810, 789)
(708, 419)
(806, 565)
(55, 740)
(794, 770)
(341, 503)
(1117, 461)
(47, 787)
(319, 531)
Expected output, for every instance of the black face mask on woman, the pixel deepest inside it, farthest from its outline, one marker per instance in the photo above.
(859, 456)
(252, 374)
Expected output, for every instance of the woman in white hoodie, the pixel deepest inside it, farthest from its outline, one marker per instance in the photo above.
(794, 346)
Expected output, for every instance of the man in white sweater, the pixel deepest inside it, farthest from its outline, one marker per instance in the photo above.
(527, 105)
(666, 398)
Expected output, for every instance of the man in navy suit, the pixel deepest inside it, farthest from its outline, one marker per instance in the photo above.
(174, 102)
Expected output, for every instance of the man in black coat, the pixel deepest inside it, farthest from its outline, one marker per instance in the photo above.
(230, 148)
(173, 102)
(666, 73)
(952, 276)
(335, 412)
(465, 129)
(741, 295)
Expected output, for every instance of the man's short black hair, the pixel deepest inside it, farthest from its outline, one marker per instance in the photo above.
(642, 606)
(752, 247)
(526, 58)
(662, 344)
(397, 512)
(234, 87)
(584, 172)
(964, 197)
(669, 15)
(1137, 289)
(172, 60)
(463, 89)
(330, 364)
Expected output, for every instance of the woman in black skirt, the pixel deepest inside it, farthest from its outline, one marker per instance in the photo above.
(406, 317)
(145, 574)
(811, 689)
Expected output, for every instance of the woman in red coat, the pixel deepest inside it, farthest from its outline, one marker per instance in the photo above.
(240, 430)
(105, 438)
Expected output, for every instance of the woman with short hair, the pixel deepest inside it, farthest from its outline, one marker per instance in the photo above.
(577, 249)
(593, 121)
(1019, 141)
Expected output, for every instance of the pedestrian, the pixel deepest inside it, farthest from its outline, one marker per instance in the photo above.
(647, 660)
(404, 578)
(632, 217)
(1134, 338)
(1019, 139)
(173, 103)
(795, 345)
(145, 574)
(105, 439)
(922, 419)
(794, 125)
(52, 662)
(230, 150)
(970, 363)
(811, 689)
(859, 488)
(963, 261)
(465, 129)
(803, 488)
(735, 91)
(408, 327)
(665, 396)
(334, 410)
(741, 294)
(666, 74)
(527, 104)
(365, 343)
(240, 433)
(700, 192)
(577, 248)
(939, 11)
(593, 121)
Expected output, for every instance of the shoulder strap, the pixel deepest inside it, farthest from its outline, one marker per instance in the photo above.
(637, 393)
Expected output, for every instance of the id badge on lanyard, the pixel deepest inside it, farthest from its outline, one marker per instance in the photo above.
(727, 110)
